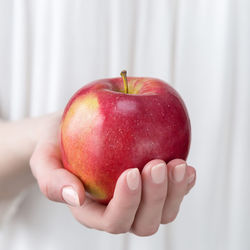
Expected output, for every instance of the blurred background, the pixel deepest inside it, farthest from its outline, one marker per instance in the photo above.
(50, 48)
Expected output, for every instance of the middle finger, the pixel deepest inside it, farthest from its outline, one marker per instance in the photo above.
(154, 191)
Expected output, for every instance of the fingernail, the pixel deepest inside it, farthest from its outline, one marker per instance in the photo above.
(158, 173)
(179, 172)
(191, 178)
(70, 196)
(133, 179)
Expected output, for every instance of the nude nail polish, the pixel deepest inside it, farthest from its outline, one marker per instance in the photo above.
(179, 172)
(133, 178)
(158, 173)
(70, 196)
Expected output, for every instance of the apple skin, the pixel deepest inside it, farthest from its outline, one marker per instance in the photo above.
(105, 131)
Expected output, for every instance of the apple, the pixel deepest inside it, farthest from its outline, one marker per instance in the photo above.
(111, 125)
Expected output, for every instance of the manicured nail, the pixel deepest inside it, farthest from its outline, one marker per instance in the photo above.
(191, 178)
(133, 178)
(179, 172)
(70, 196)
(158, 173)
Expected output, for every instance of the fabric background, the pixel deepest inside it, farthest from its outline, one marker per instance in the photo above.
(50, 48)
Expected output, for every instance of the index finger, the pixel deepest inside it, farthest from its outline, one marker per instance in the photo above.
(118, 215)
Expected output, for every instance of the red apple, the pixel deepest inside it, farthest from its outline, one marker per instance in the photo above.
(111, 125)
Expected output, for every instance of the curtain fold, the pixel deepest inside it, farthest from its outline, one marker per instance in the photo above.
(50, 48)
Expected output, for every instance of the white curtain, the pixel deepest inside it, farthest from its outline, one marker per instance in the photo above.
(50, 48)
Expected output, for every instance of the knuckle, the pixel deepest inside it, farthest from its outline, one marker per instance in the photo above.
(33, 164)
(159, 198)
(169, 218)
(32, 161)
(81, 220)
(147, 231)
(34, 156)
(43, 185)
(126, 206)
(115, 228)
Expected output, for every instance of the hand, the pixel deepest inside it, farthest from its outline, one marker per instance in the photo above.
(141, 202)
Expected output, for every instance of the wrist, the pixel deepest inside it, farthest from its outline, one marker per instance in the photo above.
(18, 141)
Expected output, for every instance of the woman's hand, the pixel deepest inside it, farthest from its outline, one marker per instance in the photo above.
(141, 202)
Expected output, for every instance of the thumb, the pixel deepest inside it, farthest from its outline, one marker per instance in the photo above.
(54, 181)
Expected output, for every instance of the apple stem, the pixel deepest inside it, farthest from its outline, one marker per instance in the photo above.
(125, 81)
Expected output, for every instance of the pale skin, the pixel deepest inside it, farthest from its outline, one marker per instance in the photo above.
(141, 202)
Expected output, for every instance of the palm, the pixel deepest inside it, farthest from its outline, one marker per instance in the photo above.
(140, 211)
